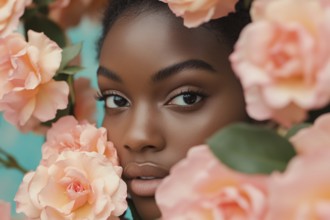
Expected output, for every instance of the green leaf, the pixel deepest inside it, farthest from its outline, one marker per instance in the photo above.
(294, 130)
(29, 12)
(41, 23)
(68, 54)
(71, 70)
(251, 149)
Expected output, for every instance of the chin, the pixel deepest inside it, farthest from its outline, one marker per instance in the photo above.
(146, 207)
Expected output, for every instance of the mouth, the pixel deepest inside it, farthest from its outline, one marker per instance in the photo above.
(144, 178)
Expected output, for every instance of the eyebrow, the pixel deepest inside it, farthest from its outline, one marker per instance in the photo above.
(164, 73)
(109, 74)
(178, 67)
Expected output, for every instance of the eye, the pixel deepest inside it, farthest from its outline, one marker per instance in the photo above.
(116, 101)
(186, 99)
(113, 100)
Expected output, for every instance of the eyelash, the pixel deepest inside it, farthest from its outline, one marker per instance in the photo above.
(198, 92)
(103, 96)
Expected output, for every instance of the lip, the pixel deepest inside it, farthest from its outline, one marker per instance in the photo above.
(151, 173)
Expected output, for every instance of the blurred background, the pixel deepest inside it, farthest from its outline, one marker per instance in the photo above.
(26, 148)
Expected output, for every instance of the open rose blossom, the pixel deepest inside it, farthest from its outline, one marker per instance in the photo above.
(197, 12)
(213, 191)
(302, 191)
(10, 13)
(69, 134)
(315, 138)
(28, 92)
(283, 59)
(78, 185)
(4, 210)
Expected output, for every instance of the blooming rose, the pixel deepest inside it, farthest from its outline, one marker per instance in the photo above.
(213, 192)
(28, 92)
(196, 12)
(302, 192)
(4, 210)
(85, 104)
(315, 138)
(78, 185)
(10, 13)
(282, 59)
(68, 134)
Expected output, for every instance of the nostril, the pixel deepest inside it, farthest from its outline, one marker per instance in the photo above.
(141, 148)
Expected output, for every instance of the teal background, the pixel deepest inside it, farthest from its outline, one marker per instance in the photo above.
(26, 148)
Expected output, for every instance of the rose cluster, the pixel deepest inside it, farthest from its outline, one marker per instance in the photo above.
(251, 172)
(283, 59)
(36, 81)
(216, 191)
(78, 177)
(28, 93)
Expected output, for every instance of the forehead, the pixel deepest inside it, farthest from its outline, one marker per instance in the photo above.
(150, 37)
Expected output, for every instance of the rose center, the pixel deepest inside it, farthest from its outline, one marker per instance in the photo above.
(75, 187)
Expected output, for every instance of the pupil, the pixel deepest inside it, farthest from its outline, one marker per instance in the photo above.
(120, 101)
(189, 98)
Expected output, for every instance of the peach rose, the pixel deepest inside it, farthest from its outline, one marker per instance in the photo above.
(4, 210)
(85, 103)
(302, 192)
(197, 12)
(78, 185)
(10, 13)
(24, 106)
(68, 134)
(27, 91)
(213, 192)
(282, 60)
(315, 138)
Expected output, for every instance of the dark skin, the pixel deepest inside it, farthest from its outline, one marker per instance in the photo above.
(166, 88)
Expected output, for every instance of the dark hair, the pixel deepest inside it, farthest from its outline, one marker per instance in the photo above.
(226, 28)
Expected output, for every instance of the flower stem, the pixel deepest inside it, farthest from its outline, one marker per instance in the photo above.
(9, 161)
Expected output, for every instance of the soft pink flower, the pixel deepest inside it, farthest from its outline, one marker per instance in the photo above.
(10, 13)
(325, 3)
(28, 92)
(68, 134)
(213, 192)
(78, 185)
(283, 60)
(197, 12)
(85, 103)
(302, 192)
(22, 106)
(315, 138)
(4, 210)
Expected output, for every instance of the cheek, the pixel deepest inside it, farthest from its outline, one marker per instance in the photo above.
(115, 134)
(192, 129)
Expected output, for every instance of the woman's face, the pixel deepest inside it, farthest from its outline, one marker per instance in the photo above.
(166, 88)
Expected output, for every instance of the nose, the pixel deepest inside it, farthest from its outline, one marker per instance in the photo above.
(144, 131)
